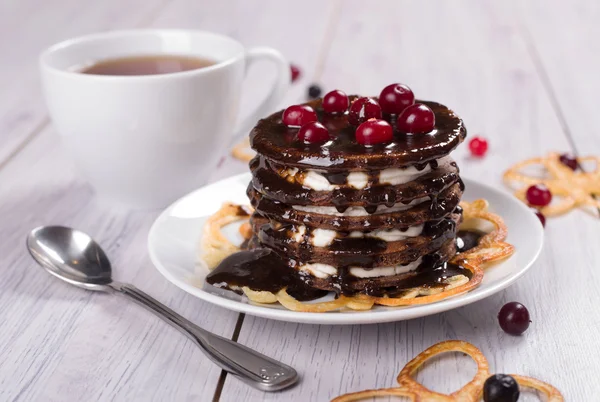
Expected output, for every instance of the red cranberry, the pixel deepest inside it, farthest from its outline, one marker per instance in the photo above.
(538, 195)
(298, 115)
(514, 318)
(335, 102)
(569, 160)
(478, 146)
(295, 72)
(395, 98)
(540, 216)
(362, 110)
(313, 132)
(374, 131)
(416, 119)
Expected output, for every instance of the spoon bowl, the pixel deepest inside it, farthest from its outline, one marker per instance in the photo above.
(71, 255)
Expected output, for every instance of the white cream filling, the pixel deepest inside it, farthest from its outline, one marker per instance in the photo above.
(318, 182)
(359, 211)
(391, 234)
(320, 270)
(299, 235)
(359, 180)
(325, 270)
(324, 237)
(385, 271)
(395, 176)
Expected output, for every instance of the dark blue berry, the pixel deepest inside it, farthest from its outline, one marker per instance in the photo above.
(314, 91)
(500, 388)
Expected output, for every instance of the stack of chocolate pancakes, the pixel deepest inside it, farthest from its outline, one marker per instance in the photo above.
(351, 218)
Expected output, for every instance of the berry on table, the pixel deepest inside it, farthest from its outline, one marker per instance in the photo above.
(363, 109)
(538, 195)
(500, 388)
(298, 115)
(540, 216)
(313, 132)
(569, 160)
(295, 70)
(416, 119)
(394, 98)
(478, 146)
(374, 131)
(314, 91)
(514, 318)
(335, 101)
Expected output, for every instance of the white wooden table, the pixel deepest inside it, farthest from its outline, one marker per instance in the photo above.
(521, 73)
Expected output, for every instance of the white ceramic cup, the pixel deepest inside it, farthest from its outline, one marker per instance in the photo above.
(145, 140)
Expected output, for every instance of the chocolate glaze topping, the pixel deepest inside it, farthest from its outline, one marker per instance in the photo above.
(274, 140)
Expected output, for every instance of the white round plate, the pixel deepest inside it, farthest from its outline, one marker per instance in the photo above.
(174, 238)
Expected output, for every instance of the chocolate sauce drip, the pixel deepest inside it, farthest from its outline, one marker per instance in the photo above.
(467, 239)
(371, 209)
(437, 228)
(339, 178)
(262, 269)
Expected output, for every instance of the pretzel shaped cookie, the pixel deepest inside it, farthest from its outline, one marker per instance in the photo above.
(242, 151)
(574, 188)
(470, 392)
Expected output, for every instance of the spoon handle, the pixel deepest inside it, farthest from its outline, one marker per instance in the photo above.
(253, 368)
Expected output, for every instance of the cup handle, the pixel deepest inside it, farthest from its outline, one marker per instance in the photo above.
(280, 86)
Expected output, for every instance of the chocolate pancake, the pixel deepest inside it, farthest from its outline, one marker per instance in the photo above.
(346, 250)
(360, 256)
(346, 283)
(272, 139)
(266, 181)
(437, 208)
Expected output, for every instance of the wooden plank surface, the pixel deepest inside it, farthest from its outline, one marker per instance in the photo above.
(503, 66)
(563, 38)
(445, 53)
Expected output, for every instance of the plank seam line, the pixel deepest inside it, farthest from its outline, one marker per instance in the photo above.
(547, 85)
(234, 337)
(28, 139)
(153, 14)
(327, 39)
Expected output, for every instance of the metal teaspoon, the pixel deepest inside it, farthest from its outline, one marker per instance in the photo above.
(76, 258)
